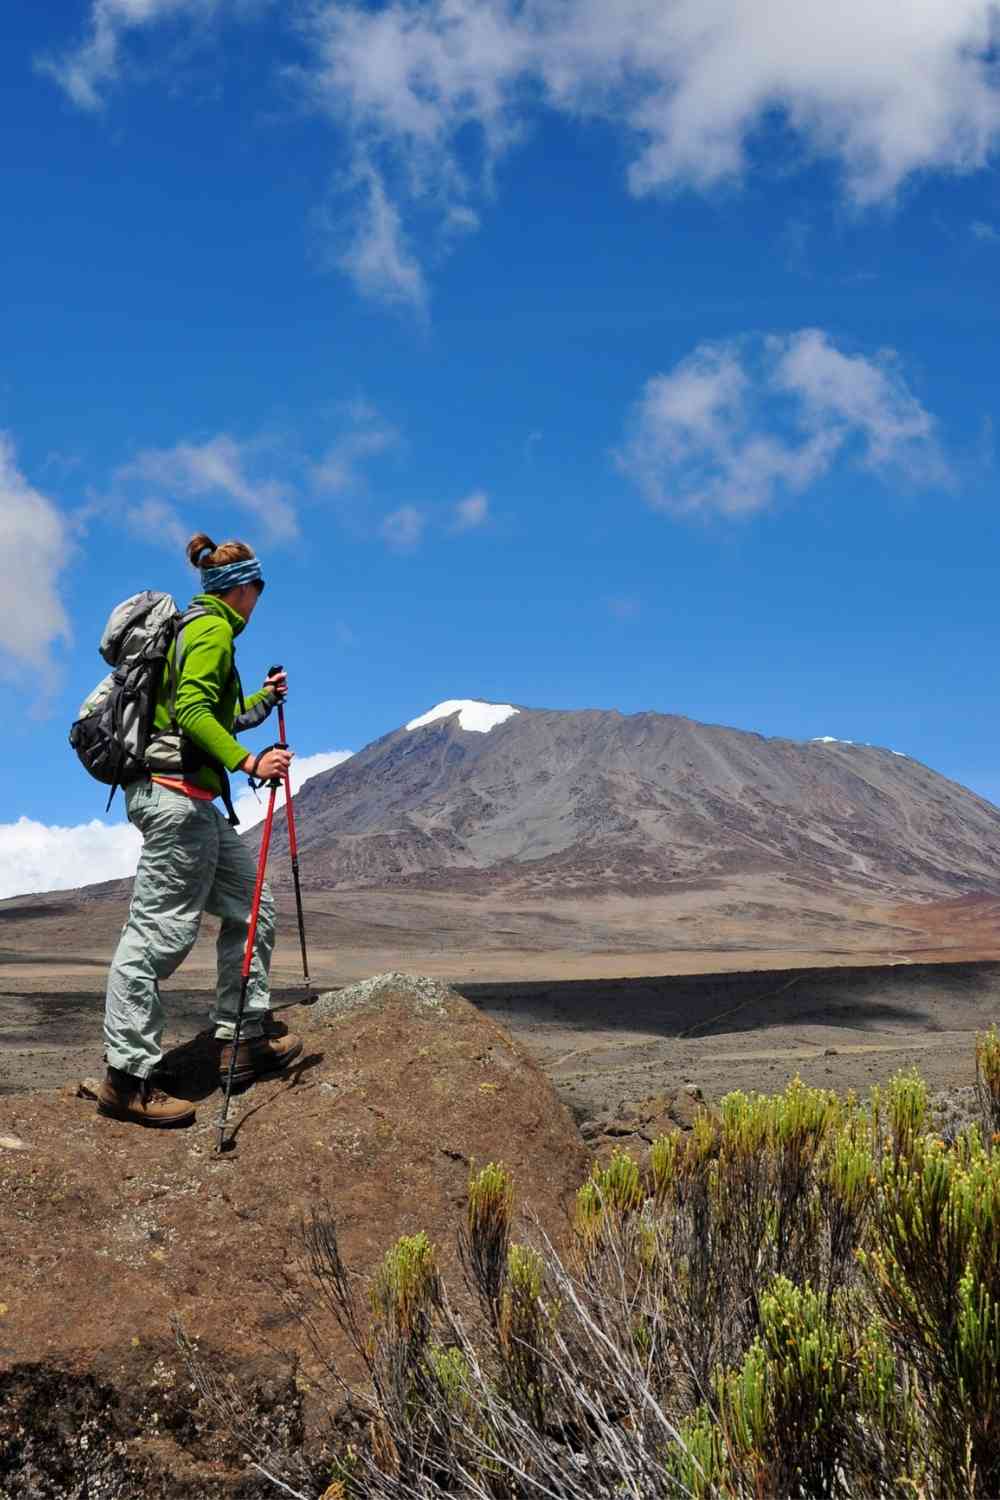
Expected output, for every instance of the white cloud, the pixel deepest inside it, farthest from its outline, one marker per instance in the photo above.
(435, 91)
(432, 93)
(154, 520)
(250, 808)
(222, 466)
(42, 857)
(847, 395)
(734, 424)
(471, 512)
(34, 548)
(39, 857)
(378, 257)
(403, 529)
(367, 436)
(87, 70)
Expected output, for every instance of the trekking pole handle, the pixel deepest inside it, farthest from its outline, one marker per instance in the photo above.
(276, 781)
(272, 672)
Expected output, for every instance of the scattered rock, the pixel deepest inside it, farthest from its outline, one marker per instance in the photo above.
(12, 1143)
(425, 995)
(635, 1126)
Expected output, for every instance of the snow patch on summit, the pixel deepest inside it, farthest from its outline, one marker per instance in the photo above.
(480, 718)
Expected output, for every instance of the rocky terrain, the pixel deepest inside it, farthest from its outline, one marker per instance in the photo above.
(109, 1235)
(546, 803)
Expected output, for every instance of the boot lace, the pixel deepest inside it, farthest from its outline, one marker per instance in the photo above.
(151, 1093)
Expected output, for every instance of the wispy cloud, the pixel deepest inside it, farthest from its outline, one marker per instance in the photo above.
(472, 512)
(162, 494)
(734, 425)
(434, 92)
(89, 69)
(35, 546)
(983, 231)
(366, 435)
(155, 520)
(377, 256)
(403, 528)
(431, 94)
(221, 467)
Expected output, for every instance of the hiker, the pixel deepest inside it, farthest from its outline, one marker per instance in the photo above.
(192, 859)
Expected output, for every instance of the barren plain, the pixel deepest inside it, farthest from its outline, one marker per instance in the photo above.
(616, 998)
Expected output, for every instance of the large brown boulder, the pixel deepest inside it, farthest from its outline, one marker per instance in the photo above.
(109, 1232)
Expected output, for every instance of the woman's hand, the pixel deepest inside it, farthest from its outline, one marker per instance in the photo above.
(271, 766)
(277, 683)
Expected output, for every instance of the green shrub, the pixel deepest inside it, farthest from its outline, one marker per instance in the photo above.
(523, 1333)
(611, 1193)
(988, 1081)
(407, 1288)
(899, 1112)
(934, 1275)
(663, 1164)
(485, 1239)
(788, 1411)
(799, 1298)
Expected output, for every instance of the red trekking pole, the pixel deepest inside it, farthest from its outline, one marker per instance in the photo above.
(293, 847)
(248, 955)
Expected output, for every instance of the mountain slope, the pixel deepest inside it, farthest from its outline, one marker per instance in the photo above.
(473, 796)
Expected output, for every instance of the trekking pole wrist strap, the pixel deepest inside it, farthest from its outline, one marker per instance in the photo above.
(254, 779)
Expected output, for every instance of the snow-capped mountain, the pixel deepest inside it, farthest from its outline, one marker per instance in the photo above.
(487, 796)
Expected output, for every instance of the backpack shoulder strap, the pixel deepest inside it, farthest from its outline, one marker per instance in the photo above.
(178, 625)
(181, 621)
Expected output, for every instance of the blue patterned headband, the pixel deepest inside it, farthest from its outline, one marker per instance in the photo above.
(231, 576)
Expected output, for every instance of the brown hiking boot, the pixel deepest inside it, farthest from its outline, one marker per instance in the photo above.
(259, 1056)
(125, 1097)
(271, 1026)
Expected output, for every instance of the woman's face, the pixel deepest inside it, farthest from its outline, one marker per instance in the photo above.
(244, 599)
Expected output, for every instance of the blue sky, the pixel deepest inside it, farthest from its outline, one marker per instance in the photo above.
(555, 353)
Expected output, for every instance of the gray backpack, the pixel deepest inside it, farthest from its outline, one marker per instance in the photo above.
(113, 730)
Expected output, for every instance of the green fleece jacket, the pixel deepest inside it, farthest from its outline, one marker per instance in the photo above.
(208, 705)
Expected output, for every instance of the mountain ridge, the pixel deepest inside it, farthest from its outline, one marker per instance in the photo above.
(552, 801)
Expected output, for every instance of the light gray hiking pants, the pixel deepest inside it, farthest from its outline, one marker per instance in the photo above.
(191, 862)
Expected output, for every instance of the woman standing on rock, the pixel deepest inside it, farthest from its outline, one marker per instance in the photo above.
(192, 859)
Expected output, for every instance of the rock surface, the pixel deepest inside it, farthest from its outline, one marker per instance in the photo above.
(555, 802)
(108, 1231)
(635, 1124)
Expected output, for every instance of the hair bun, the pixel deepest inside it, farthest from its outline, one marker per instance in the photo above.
(196, 549)
(202, 552)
